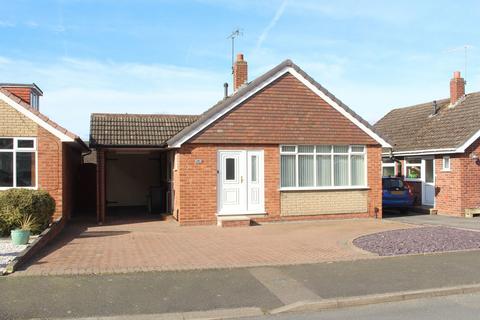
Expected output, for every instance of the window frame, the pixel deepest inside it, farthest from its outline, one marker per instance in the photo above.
(408, 164)
(390, 165)
(34, 99)
(332, 154)
(444, 168)
(16, 150)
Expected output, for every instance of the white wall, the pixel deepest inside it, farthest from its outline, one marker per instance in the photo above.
(129, 177)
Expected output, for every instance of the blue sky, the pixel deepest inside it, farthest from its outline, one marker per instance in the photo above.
(173, 56)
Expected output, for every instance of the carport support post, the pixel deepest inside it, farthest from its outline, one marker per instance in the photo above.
(101, 201)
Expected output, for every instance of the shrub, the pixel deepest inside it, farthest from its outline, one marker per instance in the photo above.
(15, 204)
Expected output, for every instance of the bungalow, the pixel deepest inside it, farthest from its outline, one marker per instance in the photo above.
(281, 147)
(35, 152)
(436, 148)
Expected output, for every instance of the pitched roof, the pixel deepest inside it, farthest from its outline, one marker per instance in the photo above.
(139, 130)
(259, 83)
(415, 129)
(41, 119)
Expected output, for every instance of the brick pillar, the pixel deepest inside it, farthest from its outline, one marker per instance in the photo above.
(240, 72)
(101, 201)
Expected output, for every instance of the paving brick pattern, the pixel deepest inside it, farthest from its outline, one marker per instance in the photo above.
(163, 245)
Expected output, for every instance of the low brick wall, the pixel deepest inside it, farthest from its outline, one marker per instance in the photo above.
(305, 203)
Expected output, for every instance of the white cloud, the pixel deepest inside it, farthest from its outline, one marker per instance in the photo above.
(74, 88)
(6, 24)
(271, 24)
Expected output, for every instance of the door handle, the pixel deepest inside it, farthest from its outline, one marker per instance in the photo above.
(241, 179)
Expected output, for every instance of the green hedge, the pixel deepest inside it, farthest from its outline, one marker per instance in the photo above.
(17, 203)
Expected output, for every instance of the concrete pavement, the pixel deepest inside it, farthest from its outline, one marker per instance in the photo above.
(259, 288)
(435, 220)
(465, 307)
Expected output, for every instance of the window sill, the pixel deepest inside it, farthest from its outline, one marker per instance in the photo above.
(446, 170)
(8, 188)
(325, 189)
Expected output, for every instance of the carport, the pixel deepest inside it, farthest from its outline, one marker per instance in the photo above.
(134, 167)
(138, 181)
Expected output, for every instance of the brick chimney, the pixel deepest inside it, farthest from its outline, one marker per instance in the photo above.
(240, 72)
(29, 93)
(457, 87)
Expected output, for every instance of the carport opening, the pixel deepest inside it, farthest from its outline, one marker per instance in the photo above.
(138, 184)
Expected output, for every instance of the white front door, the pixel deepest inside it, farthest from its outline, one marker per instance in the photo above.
(240, 182)
(428, 182)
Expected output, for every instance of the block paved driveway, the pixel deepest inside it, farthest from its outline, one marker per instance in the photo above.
(127, 246)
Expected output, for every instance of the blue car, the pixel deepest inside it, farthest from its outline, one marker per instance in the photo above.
(396, 194)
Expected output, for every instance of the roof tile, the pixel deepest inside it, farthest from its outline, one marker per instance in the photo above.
(121, 130)
(414, 128)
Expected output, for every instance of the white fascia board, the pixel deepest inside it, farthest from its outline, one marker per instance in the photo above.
(218, 115)
(469, 142)
(337, 107)
(424, 152)
(60, 135)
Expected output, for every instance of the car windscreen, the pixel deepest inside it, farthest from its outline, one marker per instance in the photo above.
(391, 184)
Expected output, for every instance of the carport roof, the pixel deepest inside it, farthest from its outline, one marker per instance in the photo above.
(135, 130)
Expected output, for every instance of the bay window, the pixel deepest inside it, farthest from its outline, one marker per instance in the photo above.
(322, 166)
(17, 163)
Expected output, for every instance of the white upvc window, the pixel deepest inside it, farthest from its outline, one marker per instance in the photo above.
(322, 167)
(446, 163)
(18, 163)
(413, 169)
(389, 167)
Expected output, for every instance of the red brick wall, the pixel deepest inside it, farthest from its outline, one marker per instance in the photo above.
(448, 186)
(50, 168)
(195, 185)
(285, 112)
(374, 172)
(471, 179)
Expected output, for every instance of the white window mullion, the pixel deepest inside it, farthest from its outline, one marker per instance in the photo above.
(314, 166)
(349, 166)
(332, 175)
(296, 170)
(14, 168)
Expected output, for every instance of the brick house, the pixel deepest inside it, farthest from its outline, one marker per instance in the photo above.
(281, 147)
(35, 152)
(436, 148)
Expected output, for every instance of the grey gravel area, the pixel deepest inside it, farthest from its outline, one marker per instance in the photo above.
(419, 240)
(8, 252)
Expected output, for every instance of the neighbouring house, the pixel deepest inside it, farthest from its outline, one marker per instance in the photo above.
(35, 152)
(436, 148)
(281, 147)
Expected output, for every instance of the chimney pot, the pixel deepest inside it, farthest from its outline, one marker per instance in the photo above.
(456, 74)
